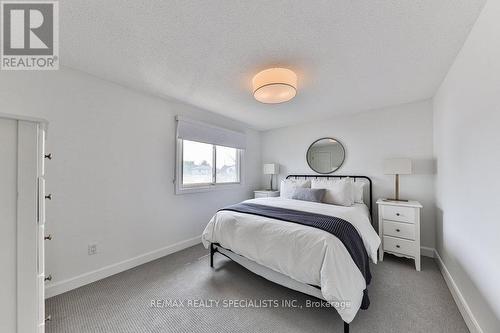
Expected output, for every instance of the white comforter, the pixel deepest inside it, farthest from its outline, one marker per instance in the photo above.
(306, 254)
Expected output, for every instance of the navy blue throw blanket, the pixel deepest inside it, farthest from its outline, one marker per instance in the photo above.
(338, 227)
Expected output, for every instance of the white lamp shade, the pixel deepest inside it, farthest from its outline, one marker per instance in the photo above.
(397, 166)
(271, 169)
(274, 85)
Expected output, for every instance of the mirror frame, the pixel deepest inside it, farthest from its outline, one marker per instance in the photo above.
(326, 138)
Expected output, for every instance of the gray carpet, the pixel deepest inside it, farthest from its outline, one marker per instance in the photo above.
(402, 300)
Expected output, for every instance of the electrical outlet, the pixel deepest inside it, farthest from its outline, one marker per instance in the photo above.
(92, 249)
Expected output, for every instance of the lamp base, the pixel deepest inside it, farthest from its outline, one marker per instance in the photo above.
(402, 200)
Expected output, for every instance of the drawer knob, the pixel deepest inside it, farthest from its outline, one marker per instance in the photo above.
(397, 230)
(397, 214)
(48, 156)
(48, 278)
(48, 318)
(49, 237)
(48, 196)
(398, 246)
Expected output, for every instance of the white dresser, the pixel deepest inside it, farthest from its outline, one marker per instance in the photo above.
(22, 194)
(399, 229)
(266, 194)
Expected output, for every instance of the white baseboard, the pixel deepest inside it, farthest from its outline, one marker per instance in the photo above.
(63, 286)
(466, 312)
(427, 251)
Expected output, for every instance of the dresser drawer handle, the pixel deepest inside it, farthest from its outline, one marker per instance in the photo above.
(397, 230)
(397, 214)
(398, 246)
(48, 196)
(49, 237)
(48, 156)
(48, 318)
(48, 278)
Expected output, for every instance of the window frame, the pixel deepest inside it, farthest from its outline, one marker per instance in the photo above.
(180, 188)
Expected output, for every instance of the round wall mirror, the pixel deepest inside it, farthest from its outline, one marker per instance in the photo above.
(325, 155)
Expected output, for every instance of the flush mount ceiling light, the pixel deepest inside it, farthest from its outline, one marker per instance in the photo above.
(274, 85)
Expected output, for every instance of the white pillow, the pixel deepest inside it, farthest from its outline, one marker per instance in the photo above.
(358, 191)
(288, 186)
(338, 191)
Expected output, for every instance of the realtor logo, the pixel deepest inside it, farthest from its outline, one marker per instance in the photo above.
(30, 35)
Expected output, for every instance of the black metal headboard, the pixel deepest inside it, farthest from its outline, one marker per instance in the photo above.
(342, 176)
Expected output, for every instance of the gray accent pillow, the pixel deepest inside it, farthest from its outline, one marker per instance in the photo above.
(309, 194)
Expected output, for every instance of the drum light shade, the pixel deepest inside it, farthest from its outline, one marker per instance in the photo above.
(275, 85)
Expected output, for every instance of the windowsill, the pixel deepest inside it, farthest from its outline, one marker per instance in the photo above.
(207, 188)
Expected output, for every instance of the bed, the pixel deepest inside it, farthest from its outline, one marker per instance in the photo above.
(297, 256)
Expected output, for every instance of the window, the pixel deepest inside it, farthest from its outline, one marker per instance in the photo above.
(208, 157)
(206, 165)
(226, 165)
(197, 166)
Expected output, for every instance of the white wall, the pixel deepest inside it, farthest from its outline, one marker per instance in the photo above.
(112, 171)
(369, 138)
(467, 141)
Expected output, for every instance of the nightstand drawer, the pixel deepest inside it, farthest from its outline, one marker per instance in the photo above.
(399, 245)
(398, 229)
(398, 213)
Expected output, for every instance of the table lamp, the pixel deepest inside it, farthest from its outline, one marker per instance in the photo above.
(271, 169)
(397, 166)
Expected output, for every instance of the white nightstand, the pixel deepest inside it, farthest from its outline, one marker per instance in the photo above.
(399, 229)
(266, 194)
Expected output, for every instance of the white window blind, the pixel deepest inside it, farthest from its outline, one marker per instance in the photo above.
(192, 130)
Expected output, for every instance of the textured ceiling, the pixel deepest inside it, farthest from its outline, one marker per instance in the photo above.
(349, 55)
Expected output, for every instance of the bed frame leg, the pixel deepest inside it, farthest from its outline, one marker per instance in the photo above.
(212, 251)
(346, 327)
